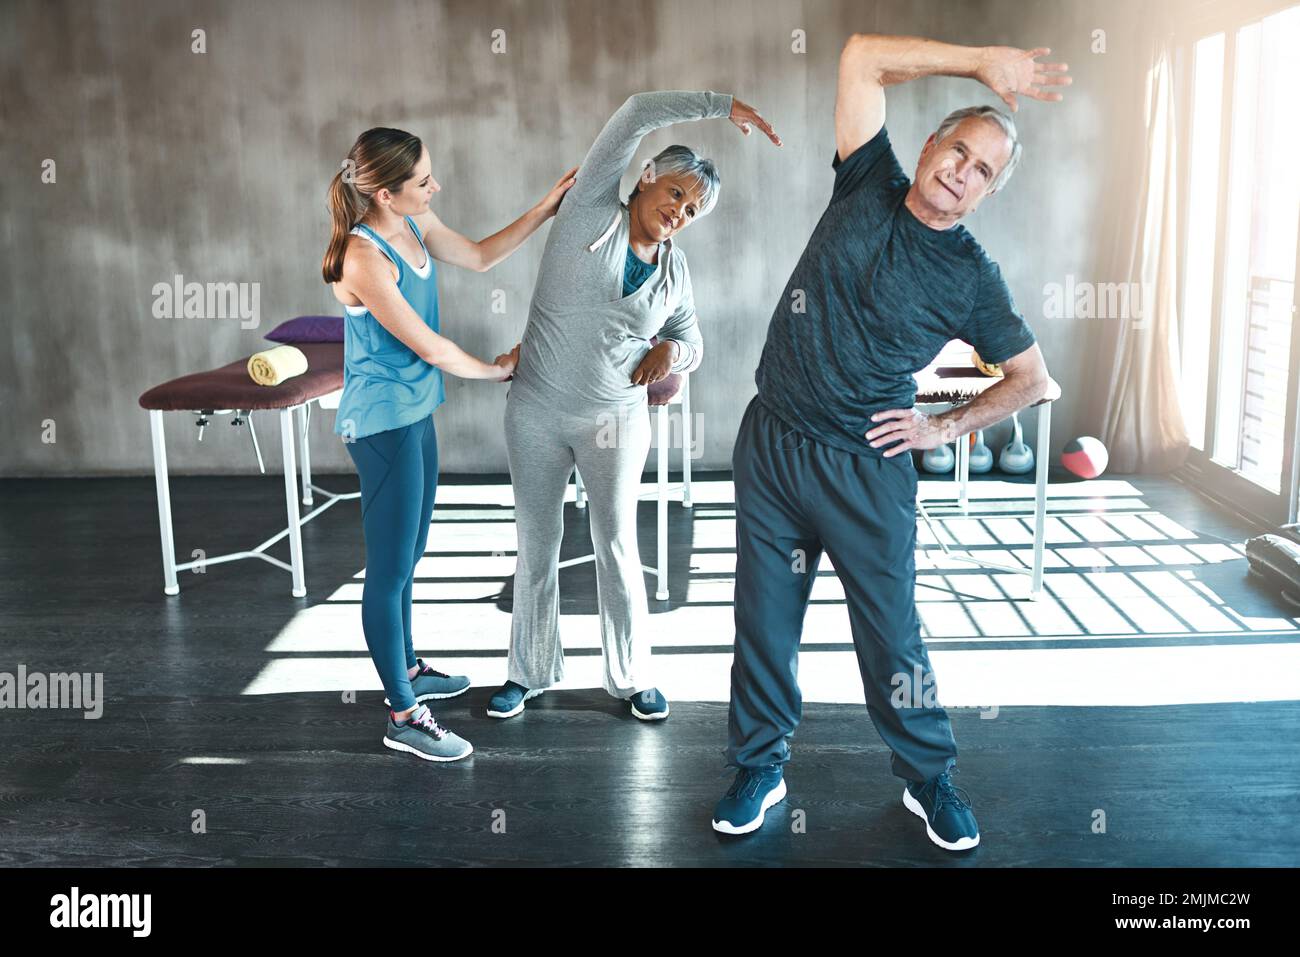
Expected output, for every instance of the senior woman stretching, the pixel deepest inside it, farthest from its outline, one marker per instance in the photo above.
(611, 278)
(379, 264)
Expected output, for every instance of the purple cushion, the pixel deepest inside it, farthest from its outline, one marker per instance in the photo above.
(308, 329)
(663, 391)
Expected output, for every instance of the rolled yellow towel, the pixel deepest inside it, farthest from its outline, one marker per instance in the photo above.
(275, 365)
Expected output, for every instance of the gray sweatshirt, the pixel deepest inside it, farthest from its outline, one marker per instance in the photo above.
(584, 339)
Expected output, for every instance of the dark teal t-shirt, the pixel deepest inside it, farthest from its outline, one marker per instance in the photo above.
(636, 272)
(874, 298)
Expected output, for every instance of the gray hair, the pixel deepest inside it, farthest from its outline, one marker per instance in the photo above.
(681, 160)
(985, 113)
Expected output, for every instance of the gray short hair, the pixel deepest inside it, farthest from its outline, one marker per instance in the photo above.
(985, 113)
(682, 160)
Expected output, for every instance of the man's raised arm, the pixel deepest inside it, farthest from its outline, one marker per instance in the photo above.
(870, 62)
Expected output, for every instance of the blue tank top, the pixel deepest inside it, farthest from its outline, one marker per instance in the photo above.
(385, 384)
(635, 272)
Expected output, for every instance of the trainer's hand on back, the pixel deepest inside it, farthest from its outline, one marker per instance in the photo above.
(903, 429)
(745, 116)
(507, 362)
(1008, 71)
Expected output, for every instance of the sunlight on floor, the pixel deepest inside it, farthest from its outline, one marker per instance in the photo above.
(1116, 572)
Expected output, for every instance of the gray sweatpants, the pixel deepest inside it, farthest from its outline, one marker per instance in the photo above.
(609, 447)
(572, 399)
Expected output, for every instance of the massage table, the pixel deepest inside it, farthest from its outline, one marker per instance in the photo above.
(952, 379)
(228, 390)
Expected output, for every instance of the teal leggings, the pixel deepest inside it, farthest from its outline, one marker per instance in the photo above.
(399, 478)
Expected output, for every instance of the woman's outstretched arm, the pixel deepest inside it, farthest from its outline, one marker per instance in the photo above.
(642, 113)
(447, 245)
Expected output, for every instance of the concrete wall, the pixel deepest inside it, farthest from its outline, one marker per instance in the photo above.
(214, 166)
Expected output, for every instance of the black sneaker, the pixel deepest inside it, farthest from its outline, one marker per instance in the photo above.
(742, 808)
(649, 705)
(509, 700)
(946, 810)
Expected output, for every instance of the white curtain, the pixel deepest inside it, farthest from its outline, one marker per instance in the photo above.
(1143, 426)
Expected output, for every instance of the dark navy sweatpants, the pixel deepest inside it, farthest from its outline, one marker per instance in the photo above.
(796, 497)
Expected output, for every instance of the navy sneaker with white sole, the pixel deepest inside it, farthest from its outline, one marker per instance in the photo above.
(946, 810)
(649, 705)
(428, 685)
(743, 807)
(509, 700)
(422, 736)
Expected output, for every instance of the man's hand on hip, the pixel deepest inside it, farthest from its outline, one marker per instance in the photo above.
(915, 429)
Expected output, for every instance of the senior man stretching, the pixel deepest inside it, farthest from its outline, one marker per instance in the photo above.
(821, 462)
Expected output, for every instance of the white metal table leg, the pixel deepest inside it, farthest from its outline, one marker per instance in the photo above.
(304, 417)
(661, 592)
(291, 502)
(170, 587)
(962, 470)
(686, 442)
(581, 492)
(1040, 494)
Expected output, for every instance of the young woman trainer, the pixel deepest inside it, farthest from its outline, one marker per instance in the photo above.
(379, 264)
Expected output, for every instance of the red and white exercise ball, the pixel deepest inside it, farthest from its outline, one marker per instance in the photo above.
(1085, 456)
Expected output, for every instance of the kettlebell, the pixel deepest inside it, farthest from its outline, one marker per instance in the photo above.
(938, 460)
(1016, 458)
(981, 456)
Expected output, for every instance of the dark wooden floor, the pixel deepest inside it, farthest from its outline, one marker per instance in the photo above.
(303, 779)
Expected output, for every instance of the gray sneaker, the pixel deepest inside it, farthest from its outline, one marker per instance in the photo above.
(428, 684)
(425, 738)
